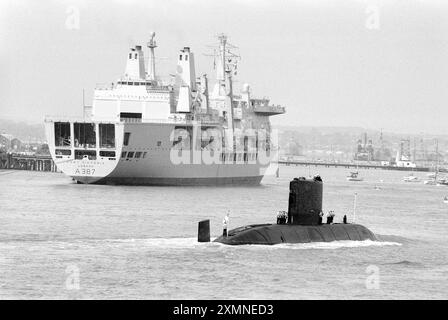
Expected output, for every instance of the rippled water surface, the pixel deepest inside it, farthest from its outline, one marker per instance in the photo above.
(63, 240)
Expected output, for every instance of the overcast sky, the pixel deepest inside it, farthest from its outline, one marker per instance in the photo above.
(374, 64)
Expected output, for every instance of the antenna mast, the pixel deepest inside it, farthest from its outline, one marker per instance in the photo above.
(225, 63)
(152, 59)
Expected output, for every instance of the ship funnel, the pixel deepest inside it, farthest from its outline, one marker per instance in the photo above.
(135, 66)
(185, 68)
(187, 78)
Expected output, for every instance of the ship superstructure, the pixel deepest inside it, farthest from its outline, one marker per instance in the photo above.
(142, 131)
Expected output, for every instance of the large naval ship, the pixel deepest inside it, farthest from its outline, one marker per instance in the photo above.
(143, 131)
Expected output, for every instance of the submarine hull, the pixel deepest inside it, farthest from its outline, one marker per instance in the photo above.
(270, 234)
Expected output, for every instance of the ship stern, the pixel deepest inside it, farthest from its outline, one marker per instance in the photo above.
(84, 150)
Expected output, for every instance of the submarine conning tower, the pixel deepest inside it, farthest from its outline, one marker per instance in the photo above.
(303, 223)
(305, 201)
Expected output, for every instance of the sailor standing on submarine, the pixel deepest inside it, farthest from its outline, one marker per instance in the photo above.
(330, 217)
(225, 225)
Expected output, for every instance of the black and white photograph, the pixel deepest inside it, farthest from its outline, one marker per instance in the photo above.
(241, 151)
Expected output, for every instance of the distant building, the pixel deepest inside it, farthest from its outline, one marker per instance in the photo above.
(16, 144)
(383, 153)
(9, 143)
(405, 150)
(364, 150)
(5, 140)
(43, 149)
(403, 158)
(292, 148)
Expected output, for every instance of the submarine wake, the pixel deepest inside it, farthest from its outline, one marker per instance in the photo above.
(164, 243)
(320, 245)
(191, 243)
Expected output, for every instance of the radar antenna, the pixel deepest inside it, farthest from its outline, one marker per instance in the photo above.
(224, 59)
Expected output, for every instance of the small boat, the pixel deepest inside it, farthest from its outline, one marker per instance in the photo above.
(354, 177)
(436, 181)
(411, 178)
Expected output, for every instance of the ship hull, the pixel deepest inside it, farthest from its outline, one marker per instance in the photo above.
(157, 163)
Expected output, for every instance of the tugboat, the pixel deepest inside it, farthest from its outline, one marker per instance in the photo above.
(303, 224)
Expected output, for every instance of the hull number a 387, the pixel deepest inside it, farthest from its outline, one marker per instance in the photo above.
(85, 172)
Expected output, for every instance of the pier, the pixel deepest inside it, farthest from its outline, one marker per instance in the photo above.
(350, 165)
(35, 162)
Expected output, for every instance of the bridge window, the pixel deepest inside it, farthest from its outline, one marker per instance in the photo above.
(107, 153)
(107, 135)
(62, 136)
(127, 135)
(138, 154)
(130, 155)
(123, 154)
(82, 154)
(144, 154)
(85, 135)
(130, 117)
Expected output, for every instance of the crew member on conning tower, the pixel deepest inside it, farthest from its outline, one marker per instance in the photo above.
(282, 216)
(330, 217)
(321, 215)
(225, 225)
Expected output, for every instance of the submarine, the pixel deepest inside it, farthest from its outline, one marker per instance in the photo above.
(303, 224)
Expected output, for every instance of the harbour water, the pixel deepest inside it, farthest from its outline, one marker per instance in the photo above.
(62, 240)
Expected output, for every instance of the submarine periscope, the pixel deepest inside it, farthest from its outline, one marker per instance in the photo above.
(303, 223)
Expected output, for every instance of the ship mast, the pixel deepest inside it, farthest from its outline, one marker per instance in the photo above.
(227, 65)
(152, 59)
